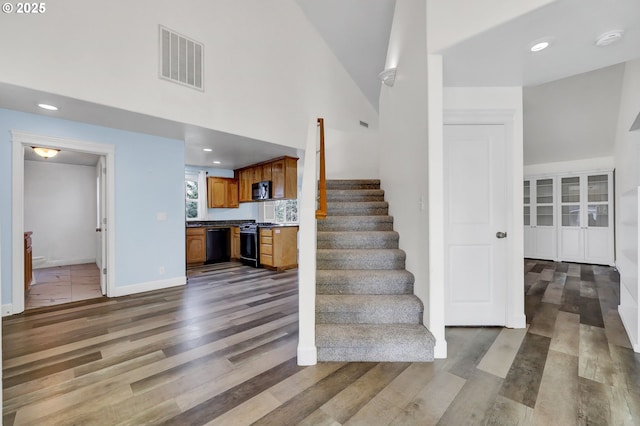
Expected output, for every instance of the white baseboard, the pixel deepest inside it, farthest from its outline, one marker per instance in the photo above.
(440, 350)
(7, 310)
(148, 286)
(43, 263)
(519, 321)
(307, 355)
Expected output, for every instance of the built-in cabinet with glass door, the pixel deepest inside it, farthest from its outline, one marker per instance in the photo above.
(539, 218)
(586, 209)
(569, 217)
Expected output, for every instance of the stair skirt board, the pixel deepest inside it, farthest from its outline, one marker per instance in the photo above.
(365, 306)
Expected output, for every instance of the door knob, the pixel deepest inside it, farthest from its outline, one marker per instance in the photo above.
(501, 235)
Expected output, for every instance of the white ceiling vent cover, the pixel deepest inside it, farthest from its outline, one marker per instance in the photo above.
(181, 59)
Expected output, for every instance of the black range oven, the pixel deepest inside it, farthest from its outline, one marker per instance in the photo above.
(249, 244)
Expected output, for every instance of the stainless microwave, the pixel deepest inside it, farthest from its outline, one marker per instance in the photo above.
(261, 190)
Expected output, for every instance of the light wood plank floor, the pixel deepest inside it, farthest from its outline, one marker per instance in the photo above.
(221, 351)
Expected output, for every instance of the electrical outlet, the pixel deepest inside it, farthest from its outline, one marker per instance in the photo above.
(161, 270)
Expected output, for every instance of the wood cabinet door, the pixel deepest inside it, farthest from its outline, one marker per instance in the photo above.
(257, 174)
(245, 180)
(266, 171)
(232, 193)
(216, 192)
(278, 179)
(196, 249)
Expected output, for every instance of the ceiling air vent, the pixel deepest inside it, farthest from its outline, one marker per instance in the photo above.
(181, 59)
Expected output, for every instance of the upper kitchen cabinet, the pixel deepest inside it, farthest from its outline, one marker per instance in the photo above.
(222, 192)
(282, 172)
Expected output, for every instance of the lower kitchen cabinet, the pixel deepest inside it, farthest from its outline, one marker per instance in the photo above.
(279, 247)
(196, 245)
(235, 242)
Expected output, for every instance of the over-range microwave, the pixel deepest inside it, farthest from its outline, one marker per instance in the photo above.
(261, 190)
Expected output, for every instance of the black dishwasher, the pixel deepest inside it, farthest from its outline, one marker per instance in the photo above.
(218, 249)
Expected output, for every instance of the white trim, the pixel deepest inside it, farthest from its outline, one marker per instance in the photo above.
(307, 355)
(127, 290)
(65, 262)
(24, 139)
(7, 310)
(515, 275)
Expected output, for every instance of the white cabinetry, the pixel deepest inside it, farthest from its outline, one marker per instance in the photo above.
(569, 217)
(586, 218)
(540, 227)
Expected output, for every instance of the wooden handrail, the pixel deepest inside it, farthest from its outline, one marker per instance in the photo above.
(321, 212)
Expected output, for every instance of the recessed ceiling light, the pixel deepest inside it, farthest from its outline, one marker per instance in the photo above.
(609, 37)
(49, 107)
(216, 162)
(207, 149)
(539, 46)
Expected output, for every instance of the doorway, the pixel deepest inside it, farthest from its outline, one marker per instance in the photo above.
(106, 180)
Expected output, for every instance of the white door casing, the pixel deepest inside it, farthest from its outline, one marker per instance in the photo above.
(20, 140)
(475, 211)
(101, 225)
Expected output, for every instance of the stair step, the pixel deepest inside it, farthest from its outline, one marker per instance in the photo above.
(353, 184)
(366, 281)
(355, 195)
(374, 342)
(358, 240)
(368, 309)
(360, 259)
(356, 223)
(359, 208)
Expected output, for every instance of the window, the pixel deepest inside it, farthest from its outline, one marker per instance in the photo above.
(192, 196)
(286, 211)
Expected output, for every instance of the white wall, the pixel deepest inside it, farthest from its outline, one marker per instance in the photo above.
(574, 166)
(351, 155)
(481, 101)
(60, 210)
(452, 21)
(266, 69)
(403, 143)
(627, 181)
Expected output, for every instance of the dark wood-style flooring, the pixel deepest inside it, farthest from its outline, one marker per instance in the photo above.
(222, 350)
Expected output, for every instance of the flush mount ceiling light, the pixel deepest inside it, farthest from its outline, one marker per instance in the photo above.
(539, 46)
(388, 76)
(216, 162)
(45, 152)
(207, 149)
(48, 107)
(609, 37)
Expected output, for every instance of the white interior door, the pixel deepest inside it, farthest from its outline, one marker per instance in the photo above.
(101, 225)
(475, 217)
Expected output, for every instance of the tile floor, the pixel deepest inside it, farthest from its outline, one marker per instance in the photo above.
(63, 284)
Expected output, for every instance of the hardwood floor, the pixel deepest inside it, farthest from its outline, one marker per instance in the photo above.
(63, 284)
(221, 351)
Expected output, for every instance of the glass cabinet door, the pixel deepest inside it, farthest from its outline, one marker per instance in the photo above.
(570, 201)
(544, 202)
(527, 203)
(598, 201)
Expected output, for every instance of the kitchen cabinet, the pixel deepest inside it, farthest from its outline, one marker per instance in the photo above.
(222, 192)
(235, 242)
(586, 218)
(28, 261)
(196, 245)
(279, 247)
(282, 172)
(540, 228)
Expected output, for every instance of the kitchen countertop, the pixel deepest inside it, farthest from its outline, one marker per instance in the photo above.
(216, 223)
(279, 225)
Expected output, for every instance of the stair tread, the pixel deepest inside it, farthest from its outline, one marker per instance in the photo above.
(367, 302)
(359, 335)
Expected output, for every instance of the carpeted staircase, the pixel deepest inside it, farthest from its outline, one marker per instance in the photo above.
(365, 306)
